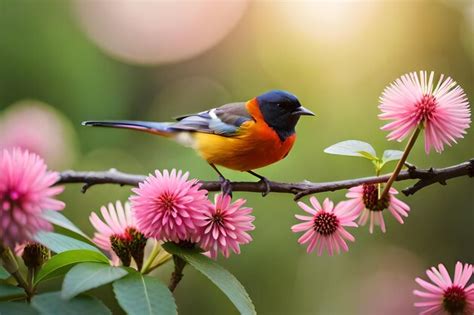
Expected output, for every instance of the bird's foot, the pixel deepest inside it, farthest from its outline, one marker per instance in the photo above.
(266, 182)
(226, 186)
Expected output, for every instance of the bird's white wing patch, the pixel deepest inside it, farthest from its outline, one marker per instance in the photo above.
(186, 139)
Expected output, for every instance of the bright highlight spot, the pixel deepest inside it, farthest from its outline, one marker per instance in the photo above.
(158, 31)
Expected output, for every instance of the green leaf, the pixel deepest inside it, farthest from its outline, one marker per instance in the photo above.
(17, 308)
(391, 155)
(87, 276)
(223, 279)
(3, 273)
(60, 243)
(60, 264)
(8, 292)
(138, 294)
(57, 218)
(353, 148)
(52, 303)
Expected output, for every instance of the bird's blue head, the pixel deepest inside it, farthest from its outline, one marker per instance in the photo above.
(281, 111)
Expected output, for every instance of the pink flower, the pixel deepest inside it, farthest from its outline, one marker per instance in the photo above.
(444, 296)
(117, 220)
(38, 128)
(166, 205)
(118, 234)
(25, 192)
(223, 226)
(364, 201)
(325, 227)
(411, 100)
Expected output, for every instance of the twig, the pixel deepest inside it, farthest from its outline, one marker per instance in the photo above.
(426, 177)
(177, 274)
(433, 176)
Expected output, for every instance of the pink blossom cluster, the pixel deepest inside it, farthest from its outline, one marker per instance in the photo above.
(412, 102)
(324, 229)
(168, 206)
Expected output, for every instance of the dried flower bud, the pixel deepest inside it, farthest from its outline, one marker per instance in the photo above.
(35, 255)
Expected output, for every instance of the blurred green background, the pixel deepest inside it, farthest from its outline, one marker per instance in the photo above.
(152, 60)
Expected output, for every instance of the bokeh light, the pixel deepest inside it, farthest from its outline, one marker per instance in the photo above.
(337, 22)
(41, 129)
(387, 285)
(158, 31)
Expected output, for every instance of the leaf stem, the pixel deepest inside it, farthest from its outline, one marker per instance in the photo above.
(177, 274)
(32, 271)
(11, 266)
(400, 163)
(160, 260)
(154, 252)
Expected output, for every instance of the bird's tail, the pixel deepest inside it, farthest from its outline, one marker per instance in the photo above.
(159, 128)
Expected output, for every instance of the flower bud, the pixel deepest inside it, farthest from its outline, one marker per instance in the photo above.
(35, 255)
(136, 246)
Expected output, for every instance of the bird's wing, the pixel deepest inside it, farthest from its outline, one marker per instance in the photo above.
(224, 120)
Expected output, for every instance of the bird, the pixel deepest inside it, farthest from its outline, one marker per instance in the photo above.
(241, 136)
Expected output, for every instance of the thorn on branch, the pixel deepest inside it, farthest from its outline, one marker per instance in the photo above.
(411, 169)
(86, 186)
(301, 194)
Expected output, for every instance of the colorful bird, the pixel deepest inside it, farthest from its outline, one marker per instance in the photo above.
(240, 136)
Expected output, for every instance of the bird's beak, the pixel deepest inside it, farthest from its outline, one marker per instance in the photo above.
(300, 111)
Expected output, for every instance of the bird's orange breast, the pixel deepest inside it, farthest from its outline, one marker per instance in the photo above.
(256, 145)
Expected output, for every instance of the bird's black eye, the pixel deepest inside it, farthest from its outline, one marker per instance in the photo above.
(279, 105)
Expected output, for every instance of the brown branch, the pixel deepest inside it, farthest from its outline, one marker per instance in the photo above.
(177, 274)
(425, 177)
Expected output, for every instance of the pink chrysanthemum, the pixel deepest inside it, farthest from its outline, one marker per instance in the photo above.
(223, 226)
(444, 296)
(166, 205)
(364, 200)
(325, 227)
(25, 192)
(118, 233)
(117, 220)
(412, 100)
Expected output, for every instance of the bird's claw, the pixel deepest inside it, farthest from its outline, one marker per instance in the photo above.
(226, 186)
(266, 182)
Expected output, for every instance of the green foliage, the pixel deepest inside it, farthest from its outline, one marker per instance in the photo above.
(57, 218)
(223, 279)
(52, 303)
(60, 243)
(363, 149)
(391, 155)
(138, 294)
(61, 263)
(17, 308)
(87, 276)
(3, 273)
(352, 148)
(8, 292)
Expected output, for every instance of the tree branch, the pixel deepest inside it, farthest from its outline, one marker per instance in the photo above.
(426, 177)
